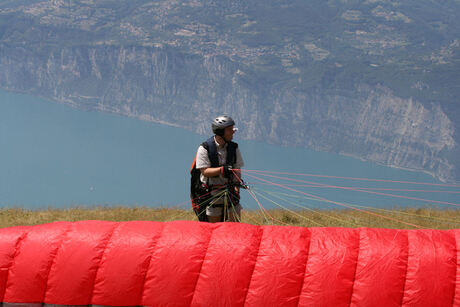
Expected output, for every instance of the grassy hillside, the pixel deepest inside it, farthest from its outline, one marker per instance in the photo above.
(425, 218)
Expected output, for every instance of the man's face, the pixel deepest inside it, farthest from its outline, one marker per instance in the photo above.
(228, 133)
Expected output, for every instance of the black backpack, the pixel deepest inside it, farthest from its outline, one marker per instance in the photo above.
(199, 193)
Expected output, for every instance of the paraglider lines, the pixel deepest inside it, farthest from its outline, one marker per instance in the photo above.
(354, 178)
(287, 209)
(321, 185)
(309, 209)
(334, 202)
(266, 215)
(448, 221)
(360, 190)
(255, 198)
(444, 220)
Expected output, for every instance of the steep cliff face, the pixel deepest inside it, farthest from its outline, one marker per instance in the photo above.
(372, 124)
(164, 85)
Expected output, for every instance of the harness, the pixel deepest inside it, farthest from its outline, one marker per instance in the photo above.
(211, 147)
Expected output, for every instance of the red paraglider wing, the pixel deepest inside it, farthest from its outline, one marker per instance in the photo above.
(227, 264)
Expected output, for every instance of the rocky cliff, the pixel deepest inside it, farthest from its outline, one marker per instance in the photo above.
(301, 90)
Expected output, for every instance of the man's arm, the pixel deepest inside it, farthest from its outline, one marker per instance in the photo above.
(204, 164)
(216, 171)
(211, 171)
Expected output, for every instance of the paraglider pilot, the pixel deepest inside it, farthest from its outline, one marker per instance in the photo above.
(219, 161)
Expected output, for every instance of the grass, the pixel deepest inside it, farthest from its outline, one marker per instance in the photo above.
(425, 218)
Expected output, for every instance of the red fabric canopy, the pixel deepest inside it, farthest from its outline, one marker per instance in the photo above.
(227, 264)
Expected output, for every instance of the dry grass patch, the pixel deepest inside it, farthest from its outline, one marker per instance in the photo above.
(396, 218)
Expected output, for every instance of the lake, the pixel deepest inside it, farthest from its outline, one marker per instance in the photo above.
(55, 156)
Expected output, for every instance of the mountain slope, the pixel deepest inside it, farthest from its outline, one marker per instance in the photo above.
(376, 79)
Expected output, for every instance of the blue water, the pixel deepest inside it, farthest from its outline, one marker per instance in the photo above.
(52, 155)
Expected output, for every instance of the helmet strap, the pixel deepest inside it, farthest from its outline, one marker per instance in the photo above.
(219, 138)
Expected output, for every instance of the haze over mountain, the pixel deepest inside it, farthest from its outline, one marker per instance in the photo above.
(375, 79)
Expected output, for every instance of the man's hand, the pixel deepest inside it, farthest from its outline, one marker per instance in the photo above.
(227, 171)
